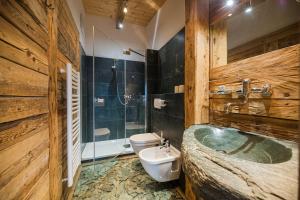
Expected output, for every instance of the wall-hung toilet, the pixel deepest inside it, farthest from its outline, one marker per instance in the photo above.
(160, 164)
(144, 140)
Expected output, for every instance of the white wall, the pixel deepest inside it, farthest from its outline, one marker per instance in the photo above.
(169, 20)
(110, 42)
(77, 11)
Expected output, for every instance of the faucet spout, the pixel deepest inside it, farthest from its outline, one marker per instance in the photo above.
(244, 94)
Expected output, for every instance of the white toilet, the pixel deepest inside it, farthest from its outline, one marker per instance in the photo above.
(160, 164)
(144, 140)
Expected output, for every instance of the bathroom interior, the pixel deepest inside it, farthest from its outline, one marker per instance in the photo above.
(149, 99)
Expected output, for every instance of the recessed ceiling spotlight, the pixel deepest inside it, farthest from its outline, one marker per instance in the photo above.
(229, 15)
(120, 25)
(248, 9)
(125, 10)
(229, 3)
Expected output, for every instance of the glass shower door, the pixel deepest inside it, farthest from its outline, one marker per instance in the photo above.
(135, 92)
(115, 103)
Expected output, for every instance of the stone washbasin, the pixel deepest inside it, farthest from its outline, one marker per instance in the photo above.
(225, 163)
(233, 142)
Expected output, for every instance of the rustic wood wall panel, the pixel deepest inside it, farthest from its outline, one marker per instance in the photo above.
(68, 35)
(197, 52)
(29, 65)
(277, 115)
(24, 131)
(282, 38)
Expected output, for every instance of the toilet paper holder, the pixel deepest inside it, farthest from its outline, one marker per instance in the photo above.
(160, 103)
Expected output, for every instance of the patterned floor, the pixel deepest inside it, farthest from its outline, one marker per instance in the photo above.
(122, 179)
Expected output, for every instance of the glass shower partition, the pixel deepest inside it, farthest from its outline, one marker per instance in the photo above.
(115, 104)
(119, 108)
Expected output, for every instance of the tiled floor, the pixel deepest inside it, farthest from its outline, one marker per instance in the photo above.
(123, 179)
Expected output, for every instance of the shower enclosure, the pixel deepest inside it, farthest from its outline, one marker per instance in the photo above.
(113, 105)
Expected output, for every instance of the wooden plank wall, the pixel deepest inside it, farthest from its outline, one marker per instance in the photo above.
(287, 36)
(24, 128)
(24, 96)
(277, 115)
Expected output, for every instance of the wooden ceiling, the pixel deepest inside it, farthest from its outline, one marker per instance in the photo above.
(140, 12)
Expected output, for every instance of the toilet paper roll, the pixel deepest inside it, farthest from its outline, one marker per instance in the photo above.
(181, 89)
(176, 89)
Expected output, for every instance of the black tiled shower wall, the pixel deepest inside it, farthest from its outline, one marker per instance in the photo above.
(111, 115)
(83, 84)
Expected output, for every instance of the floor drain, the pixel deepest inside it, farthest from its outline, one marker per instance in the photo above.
(126, 146)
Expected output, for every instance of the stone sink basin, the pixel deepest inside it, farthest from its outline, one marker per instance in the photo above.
(224, 163)
(233, 142)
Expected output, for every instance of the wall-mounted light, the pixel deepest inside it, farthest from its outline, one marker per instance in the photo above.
(229, 15)
(229, 3)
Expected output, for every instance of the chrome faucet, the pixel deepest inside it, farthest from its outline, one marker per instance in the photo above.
(166, 144)
(243, 92)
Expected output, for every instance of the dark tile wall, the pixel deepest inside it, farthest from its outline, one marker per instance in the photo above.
(111, 115)
(171, 63)
(165, 69)
(83, 84)
(153, 80)
(169, 119)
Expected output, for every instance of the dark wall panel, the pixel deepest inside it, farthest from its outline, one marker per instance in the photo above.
(165, 69)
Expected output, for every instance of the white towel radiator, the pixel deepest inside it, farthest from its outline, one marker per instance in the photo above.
(73, 122)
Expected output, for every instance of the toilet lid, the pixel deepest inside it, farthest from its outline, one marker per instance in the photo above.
(144, 138)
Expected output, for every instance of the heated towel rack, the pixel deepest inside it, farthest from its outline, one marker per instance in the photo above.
(73, 122)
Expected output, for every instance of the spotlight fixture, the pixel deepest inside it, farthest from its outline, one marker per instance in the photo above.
(229, 3)
(120, 25)
(249, 8)
(125, 10)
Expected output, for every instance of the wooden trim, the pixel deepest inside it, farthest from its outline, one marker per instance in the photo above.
(196, 62)
(55, 182)
(70, 191)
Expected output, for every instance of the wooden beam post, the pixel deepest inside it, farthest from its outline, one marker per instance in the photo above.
(55, 185)
(196, 62)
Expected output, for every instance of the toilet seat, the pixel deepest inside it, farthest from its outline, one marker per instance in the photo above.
(145, 138)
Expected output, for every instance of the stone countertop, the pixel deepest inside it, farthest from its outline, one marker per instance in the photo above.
(218, 176)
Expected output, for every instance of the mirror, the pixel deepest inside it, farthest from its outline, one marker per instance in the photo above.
(242, 28)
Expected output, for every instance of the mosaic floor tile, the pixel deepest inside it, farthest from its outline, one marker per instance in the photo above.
(122, 179)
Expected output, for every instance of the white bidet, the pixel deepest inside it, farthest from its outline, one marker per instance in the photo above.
(160, 164)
